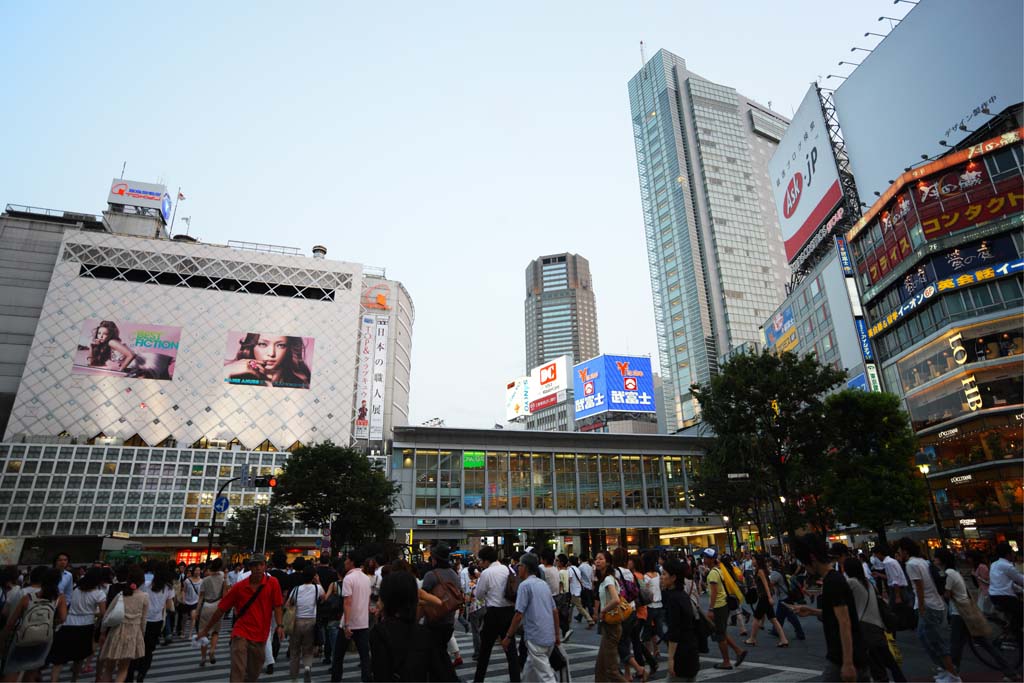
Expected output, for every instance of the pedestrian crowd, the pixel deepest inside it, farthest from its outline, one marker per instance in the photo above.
(400, 619)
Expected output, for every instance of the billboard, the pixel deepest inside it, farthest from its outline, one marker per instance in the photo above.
(517, 398)
(613, 384)
(266, 359)
(119, 348)
(363, 378)
(549, 379)
(144, 195)
(380, 371)
(927, 81)
(805, 179)
(782, 323)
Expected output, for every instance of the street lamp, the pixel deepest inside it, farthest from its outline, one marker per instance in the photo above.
(924, 466)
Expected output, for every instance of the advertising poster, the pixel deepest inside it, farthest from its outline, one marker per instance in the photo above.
(549, 379)
(517, 398)
(363, 379)
(265, 359)
(380, 372)
(781, 324)
(613, 384)
(119, 348)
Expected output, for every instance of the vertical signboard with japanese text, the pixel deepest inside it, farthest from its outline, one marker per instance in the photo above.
(380, 370)
(363, 380)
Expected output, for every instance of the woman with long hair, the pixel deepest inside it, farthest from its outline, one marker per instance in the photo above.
(631, 649)
(979, 571)
(211, 590)
(765, 606)
(74, 641)
(123, 644)
(25, 660)
(266, 360)
(607, 664)
(105, 343)
(654, 631)
(401, 648)
(304, 599)
(739, 615)
(189, 600)
(872, 627)
(683, 650)
(160, 595)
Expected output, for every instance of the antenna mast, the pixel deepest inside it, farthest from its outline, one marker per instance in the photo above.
(643, 55)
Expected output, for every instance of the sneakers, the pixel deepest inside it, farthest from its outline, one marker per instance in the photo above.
(307, 675)
(567, 636)
(946, 677)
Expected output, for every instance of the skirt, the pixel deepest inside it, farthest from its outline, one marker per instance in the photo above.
(72, 644)
(206, 613)
(126, 641)
(26, 658)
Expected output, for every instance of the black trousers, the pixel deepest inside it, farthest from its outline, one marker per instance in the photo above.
(361, 637)
(140, 667)
(496, 623)
(440, 634)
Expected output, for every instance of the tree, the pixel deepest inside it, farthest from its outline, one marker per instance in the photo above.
(241, 528)
(767, 411)
(870, 477)
(328, 485)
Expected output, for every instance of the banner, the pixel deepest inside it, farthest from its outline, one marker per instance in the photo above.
(363, 378)
(380, 371)
(118, 348)
(266, 359)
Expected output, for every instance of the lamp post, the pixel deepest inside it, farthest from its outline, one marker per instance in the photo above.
(923, 466)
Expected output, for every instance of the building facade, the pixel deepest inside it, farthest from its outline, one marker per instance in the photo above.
(717, 263)
(940, 259)
(583, 492)
(561, 310)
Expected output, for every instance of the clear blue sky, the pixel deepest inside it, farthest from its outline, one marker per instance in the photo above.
(449, 144)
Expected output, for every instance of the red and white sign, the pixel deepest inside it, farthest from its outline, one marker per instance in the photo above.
(629, 383)
(804, 176)
(548, 373)
(549, 379)
(542, 403)
(588, 388)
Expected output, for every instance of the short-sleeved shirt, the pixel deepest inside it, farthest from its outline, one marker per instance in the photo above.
(254, 625)
(436, 576)
(778, 582)
(213, 587)
(157, 601)
(306, 596)
(604, 591)
(957, 589)
(551, 576)
(356, 585)
(918, 569)
(586, 575)
(534, 601)
(82, 608)
(715, 578)
(575, 581)
(835, 592)
(652, 585)
(893, 572)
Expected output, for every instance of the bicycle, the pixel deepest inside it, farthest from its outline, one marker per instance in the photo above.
(1005, 642)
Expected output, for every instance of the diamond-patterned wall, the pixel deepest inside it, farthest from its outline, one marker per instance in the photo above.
(197, 402)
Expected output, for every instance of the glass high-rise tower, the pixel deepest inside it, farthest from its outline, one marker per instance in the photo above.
(715, 250)
(561, 312)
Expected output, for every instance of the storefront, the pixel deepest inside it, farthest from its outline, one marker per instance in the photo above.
(980, 505)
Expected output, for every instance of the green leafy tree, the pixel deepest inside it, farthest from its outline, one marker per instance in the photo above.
(241, 528)
(328, 485)
(870, 477)
(768, 413)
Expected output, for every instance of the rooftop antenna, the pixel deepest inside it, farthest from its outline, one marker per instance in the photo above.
(643, 55)
(122, 169)
(187, 220)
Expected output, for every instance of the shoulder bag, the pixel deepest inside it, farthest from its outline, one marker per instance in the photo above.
(511, 587)
(114, 616)
(619, 613)
(288, 620)
(451, 599)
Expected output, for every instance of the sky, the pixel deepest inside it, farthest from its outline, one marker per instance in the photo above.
(449, 144)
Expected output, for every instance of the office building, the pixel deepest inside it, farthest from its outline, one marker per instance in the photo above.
(561, 311)
(715, 252)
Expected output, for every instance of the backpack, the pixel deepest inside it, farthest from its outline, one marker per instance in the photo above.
(628, 589)
(451, 599)
(36, 625)
(511, 586)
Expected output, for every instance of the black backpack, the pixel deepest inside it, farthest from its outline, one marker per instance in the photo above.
(511, 586)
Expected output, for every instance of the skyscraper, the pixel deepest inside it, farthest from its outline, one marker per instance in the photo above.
(714, 247)
(561, 312)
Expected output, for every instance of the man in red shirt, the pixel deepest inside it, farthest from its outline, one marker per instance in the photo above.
(253, 600)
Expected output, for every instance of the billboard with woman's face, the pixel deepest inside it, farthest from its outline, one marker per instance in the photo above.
(266, 359)
(118, 348)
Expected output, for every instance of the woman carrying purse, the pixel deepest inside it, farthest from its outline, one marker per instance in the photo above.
(606, 669)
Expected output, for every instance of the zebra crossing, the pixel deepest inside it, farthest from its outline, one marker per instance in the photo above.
(179, 663)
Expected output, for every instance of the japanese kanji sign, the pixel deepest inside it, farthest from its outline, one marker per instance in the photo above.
(613, 384)
(380, 372)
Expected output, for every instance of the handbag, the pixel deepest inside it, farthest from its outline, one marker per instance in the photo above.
(114, 616)
(619, 613)
(288, 620)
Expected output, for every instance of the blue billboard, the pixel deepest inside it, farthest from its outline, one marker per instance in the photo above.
(622, 384)
(781, 323)
(865, 340)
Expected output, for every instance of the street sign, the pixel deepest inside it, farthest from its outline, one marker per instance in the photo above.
(318, 543)
(738, 475)
(221, 504)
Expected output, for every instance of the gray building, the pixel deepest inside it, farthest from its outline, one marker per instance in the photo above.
(561, 311)
(715, 251)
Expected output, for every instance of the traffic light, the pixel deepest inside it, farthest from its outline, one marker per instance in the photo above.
(264, 482)
(195, 534)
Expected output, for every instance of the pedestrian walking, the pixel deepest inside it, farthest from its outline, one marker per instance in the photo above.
(492, 590)
(966, 621)
(32, 623)
(932, 629)
(536, 611)
(681, 620)
(577, 593)
(606, 667)
(845, 654)
(563, 599)
(880, 658)
(355, 596)
(401, 649)
(61, 563)
(73, 642)
(783, 594)
(475, 611)
(302, 644)
(256, 600)
(650, 586)
(442, 580)
(718, 614)
(189, 602)
(211, 592)
(124, 643)
(587, 583)
(631, 649)
(1005, 583)
(160, 593)
(765, 606)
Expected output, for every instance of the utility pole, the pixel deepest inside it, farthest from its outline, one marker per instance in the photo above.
(213, 519)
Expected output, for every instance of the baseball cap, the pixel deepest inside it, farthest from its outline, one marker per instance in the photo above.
(710, 552)
(256, 559)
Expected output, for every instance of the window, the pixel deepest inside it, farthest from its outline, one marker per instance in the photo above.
(590, 495)
(674, 477)
(654, 478)
(565, 481)
(449, 477)
(426, 480)
(611, 482)
(519, 469)
(473, 465)
(633, 482)
(542, 482)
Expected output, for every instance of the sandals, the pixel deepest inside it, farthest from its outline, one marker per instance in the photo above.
(740, 657)
(786, 644)
(720, 665)
(751, 643)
